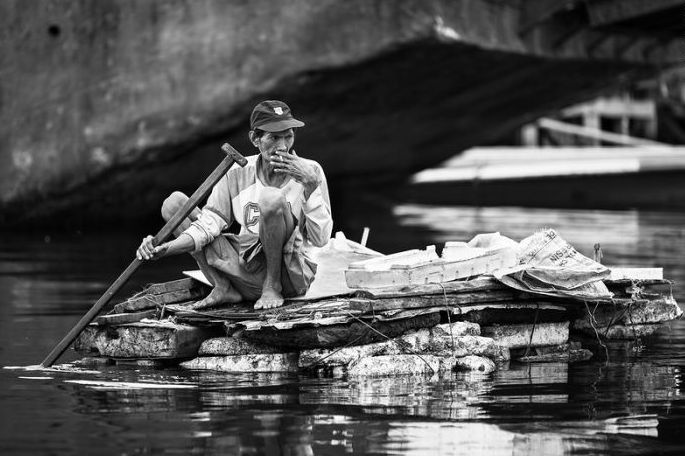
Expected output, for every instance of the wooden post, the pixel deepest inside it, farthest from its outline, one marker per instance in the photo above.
(365, 236)
(598, 253)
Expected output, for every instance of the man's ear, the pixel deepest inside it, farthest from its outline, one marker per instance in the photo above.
(254, 139)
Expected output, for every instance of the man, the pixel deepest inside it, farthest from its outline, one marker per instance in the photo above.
(282, 205)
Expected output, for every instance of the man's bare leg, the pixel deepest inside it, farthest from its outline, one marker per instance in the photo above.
(222, 291)
(276, 224)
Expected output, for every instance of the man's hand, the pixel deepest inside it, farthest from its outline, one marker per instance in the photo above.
(301, 171)
(147, 251)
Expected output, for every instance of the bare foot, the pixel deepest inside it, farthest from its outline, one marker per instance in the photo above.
(270, 299)
(218, 295)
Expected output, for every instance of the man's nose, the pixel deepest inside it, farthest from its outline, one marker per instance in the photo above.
(281, 145)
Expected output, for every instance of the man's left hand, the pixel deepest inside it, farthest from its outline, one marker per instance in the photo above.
(301, 171)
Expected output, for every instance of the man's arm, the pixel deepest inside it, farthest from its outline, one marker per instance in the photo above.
(181, 244)
(213, 219)
(317, 204)
(317, 212)
(201, 232)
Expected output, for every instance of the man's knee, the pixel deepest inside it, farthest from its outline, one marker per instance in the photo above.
(272, 203)
(172, 204)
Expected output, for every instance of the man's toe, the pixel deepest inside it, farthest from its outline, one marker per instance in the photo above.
(270, 303)
(273, 303)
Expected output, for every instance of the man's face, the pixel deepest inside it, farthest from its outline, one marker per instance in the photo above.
(272, 143)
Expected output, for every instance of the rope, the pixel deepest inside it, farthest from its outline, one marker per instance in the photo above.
(388, 338)
(449, 319)
(630, 317)
(535, 322)
(591, 318)
(142, 292)
(335, 351)
(637, 292)
(614, 318)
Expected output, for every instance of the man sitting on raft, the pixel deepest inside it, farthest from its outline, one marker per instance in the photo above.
(282, 205)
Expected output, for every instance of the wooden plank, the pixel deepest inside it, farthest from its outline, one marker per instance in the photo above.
(325, 305)
(487, 313)
(174, 285)
(121, 318)
(343, 317)
(297, 323)
(356, 333)
(202, 315)
(450, 300)
(311, 311)
(147, 301)
(455, 286)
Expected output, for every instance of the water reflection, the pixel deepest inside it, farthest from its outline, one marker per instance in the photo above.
(428, 397)
(536, 409)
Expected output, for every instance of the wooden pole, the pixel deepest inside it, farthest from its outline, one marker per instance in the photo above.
(365, 236)
(233, 156)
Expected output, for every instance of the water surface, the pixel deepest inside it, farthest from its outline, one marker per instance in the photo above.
(47, 281)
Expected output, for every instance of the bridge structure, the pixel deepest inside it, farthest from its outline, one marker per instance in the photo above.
(107, 106)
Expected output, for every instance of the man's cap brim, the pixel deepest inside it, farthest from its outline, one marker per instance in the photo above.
(280, 125)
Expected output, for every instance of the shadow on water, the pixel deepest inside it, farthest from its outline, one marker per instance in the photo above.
(47, 283)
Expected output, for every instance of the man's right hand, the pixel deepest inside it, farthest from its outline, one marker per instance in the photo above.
(147, 251)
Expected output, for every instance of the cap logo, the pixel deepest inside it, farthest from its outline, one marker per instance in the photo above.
(278, 110)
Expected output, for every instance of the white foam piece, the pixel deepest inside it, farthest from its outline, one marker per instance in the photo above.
(66, 368)
(103, 384)
(636, 273)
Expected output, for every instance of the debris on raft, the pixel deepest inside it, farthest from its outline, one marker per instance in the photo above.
(480, 304)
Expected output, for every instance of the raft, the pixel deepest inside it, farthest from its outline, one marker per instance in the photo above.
(406, 325)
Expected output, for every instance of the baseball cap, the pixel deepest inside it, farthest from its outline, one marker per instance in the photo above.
(273, 115)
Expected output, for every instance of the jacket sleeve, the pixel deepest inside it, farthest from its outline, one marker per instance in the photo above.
(318, 222)
(214, 218)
